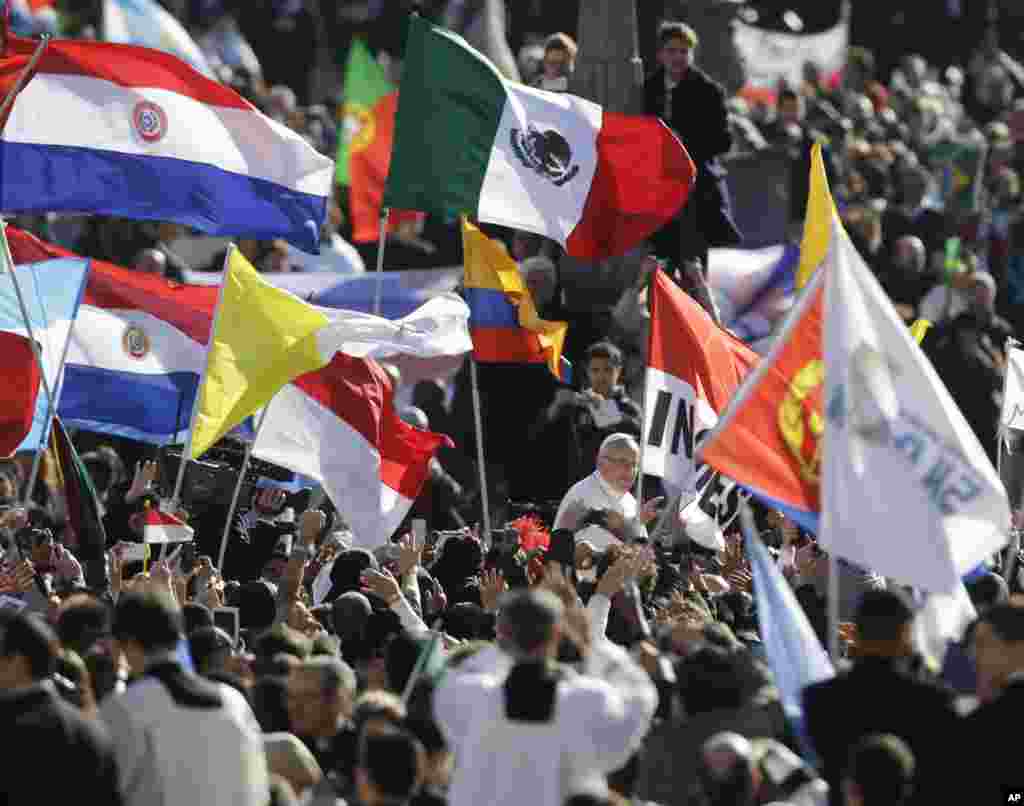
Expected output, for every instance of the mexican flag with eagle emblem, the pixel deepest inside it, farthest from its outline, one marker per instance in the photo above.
(470, 142)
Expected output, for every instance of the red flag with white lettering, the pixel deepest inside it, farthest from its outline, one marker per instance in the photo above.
(693, 369)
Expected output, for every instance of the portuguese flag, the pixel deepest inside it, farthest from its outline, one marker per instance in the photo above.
(364, 142)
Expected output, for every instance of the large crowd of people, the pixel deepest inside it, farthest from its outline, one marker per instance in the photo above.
(584, 649)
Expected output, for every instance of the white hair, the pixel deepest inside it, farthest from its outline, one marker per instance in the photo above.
(619, 440)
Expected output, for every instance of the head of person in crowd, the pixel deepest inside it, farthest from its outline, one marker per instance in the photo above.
(320, 695)
(604, 367)
(884, 625)
(277, 258)
(618, 461)
(727, 771)
(910, 255)
(389, 769)
(101, 472)
(281, 103)
(677, 43)
(530, 624)
(377, 712)
(146, 625)
(880, 772)
(997, 643)
(83, 621)
(151, 261)
(416, 417)
(792, 108)
(710, 679)
(987, 591)
(538, 273)
(28, 650)
(211, 649)
(559, 62)
(983, 295)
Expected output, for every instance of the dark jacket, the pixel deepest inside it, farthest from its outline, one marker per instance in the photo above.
(48, 736)
(700, 119)
(880, 696)
(991, 754)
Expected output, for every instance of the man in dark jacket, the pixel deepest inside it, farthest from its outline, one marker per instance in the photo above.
(693, 105)
(43, 729)
(880, 694)
(997, 640)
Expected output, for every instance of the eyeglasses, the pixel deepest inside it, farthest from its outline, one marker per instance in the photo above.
(621, 462)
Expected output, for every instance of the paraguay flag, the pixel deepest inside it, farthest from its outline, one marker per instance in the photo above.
(126, 131)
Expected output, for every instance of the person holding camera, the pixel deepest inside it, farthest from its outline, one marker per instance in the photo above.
(578, 422)
(601, 508)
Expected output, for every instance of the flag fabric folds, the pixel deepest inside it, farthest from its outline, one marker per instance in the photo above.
(503, 319)
(596, 182)
(137, 348)
(153, 139)
(795, 654)
(1012, 416)
(85, 514)
(846, 415)
(147, 23)
(769, 437)
(163, 527)
(264, 337)
(366, 135)
(894, 433)
(339, 427)
(52, 291)
(693, 369)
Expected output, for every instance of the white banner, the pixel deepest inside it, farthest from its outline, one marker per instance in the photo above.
(773, 55)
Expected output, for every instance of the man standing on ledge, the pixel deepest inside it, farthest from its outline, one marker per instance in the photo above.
(693, 105)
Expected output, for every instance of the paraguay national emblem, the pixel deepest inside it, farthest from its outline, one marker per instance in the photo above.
(135, 342)
(546, 153)
(149, 121)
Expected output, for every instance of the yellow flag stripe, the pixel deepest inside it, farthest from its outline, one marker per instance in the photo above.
(488, 265)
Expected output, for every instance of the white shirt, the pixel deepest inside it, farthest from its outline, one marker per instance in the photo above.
(168, 754)
(594, 492)
(599, 720)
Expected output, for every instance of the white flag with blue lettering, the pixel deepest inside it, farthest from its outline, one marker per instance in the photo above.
(907, 489)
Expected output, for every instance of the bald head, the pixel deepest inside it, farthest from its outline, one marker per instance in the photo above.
(726, 770)
(910, 254)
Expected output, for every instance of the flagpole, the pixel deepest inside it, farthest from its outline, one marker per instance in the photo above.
(51, 410)
(238, 487)
(43, 380)
(186, 454)
(1002, 440)
(26, 74)
(382, 239)
(477, 420)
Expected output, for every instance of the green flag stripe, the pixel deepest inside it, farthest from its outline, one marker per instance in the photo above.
(449, 110)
